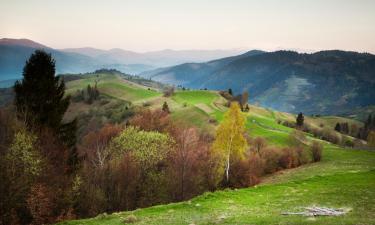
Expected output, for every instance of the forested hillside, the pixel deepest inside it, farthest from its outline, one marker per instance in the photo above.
(327, 82)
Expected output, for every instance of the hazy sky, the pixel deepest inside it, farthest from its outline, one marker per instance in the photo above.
(143, 25)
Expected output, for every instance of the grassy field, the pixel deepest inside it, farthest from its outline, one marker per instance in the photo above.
(345, 178)
(113, 86)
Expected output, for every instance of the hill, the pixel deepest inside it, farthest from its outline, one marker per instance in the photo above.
(285, 80)
(14, 53)
(343, 179)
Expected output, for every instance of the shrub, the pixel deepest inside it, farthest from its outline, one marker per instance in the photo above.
(259, 143)
(331, 136)
(271, 157)
(130, 219)
(168, 91)
(316, 151)
(247, 172)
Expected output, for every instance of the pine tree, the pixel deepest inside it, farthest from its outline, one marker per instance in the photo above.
(338, 127)
(300, 119)
(230, 142)
(230, 91)
(165, 107)
(247, 108)
(40, 97)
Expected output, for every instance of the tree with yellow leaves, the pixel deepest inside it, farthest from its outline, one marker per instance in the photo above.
(230, 142)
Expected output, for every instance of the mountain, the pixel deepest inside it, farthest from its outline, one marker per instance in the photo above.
(14, 53)
(162, 58)
(326, 82)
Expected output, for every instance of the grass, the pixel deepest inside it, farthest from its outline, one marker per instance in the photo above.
(343, 179)
(113, 86)
(195, 97)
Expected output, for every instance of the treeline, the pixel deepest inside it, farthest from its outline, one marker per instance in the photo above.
(241, 99)
(345, 134)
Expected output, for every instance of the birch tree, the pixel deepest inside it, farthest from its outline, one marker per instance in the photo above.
(230, 142)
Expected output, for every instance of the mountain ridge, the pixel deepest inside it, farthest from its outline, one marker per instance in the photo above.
(324, 82)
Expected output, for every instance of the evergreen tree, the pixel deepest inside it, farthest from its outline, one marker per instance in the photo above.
(247, 108)
(165, 107)
(338, 127)
(300, 119)
(230, 91)
(40, 100)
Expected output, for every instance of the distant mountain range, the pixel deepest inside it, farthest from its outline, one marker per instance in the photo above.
(326, 82)
(14, 53)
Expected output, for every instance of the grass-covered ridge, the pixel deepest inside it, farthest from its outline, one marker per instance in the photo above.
(345, 178)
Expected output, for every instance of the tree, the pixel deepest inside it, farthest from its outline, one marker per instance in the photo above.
(259, 143)
(148, 147)
(147, 120)
(300, 119)
(338, 127)
(316, 151)
(371, 139)
(40, 100)
(247, 108)
(95, 145)
(230, 141)
(244, 99)
(168, 91)
(230, 91)
(165, 107)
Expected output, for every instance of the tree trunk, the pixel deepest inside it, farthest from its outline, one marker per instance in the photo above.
(227, 169)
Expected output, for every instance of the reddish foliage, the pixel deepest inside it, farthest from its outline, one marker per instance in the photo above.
(156, 120)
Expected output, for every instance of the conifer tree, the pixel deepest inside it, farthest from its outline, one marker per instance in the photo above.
(40, 97)
(300, 119)
(165, 107)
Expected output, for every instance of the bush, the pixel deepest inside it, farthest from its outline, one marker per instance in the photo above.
(316, 151)
(130, 219)
(331, 136)
(245, 173)
(271, 157)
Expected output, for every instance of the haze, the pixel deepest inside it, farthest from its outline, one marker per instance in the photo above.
(195, 24)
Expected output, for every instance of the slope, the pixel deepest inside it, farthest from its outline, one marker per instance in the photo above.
(345, 178)
(286, 81)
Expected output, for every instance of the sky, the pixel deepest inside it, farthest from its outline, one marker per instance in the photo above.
(148, 25)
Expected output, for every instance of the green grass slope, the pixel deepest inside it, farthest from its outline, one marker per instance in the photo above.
(113, 86)
(345, 178)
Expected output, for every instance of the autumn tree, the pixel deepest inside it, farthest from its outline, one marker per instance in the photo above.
(151, 120)
(95, 145)
(259, 143)
(186, 162)
(230, 142)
